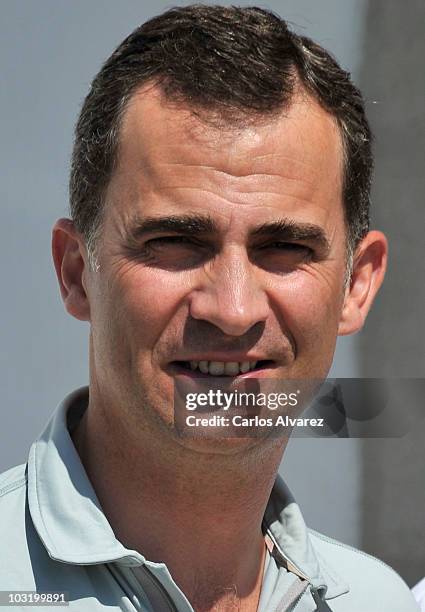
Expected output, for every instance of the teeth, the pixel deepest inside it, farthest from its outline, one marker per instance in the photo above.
(231, 368)
(218, 368)
(203, 366)
(245, 365)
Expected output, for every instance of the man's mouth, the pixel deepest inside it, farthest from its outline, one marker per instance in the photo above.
(222, 368)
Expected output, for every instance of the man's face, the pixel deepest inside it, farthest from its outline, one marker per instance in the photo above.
(221, 250)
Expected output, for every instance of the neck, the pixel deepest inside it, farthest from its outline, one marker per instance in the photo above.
(198, 512)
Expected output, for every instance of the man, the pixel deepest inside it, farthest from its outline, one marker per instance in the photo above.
(219, 201)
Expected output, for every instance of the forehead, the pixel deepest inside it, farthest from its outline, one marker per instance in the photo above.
(296, 156)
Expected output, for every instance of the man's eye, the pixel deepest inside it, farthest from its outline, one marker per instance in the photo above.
(172, 252)
(283, 257)
(290, 246)
(166, 243)
(163, 240)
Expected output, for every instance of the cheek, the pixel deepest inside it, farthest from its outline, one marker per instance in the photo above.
(310, 307)
(143, 302)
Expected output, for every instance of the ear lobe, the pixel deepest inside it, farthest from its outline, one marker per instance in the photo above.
(67, 250)
(370, 262)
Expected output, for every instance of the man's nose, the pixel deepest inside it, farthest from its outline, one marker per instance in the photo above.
(229, 294)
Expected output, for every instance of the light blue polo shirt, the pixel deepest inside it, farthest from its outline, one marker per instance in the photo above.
(55, 537)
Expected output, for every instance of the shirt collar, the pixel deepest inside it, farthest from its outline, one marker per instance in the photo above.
(285, 525)
(63, 505)
(73, 528)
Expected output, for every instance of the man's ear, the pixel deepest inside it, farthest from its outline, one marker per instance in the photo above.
(68, 255)
(370, 262)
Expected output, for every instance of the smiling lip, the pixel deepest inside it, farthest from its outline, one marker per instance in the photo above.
(244, 367)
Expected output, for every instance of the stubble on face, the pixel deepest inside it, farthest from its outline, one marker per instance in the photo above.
(153, 302)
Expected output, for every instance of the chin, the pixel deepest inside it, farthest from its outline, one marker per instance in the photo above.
(227, 445)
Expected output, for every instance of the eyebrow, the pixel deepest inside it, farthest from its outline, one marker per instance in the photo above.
(194, 225)
(287, 229)
(190, 225)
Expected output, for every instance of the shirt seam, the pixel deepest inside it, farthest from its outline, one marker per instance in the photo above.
(352, 549)
(12, 486)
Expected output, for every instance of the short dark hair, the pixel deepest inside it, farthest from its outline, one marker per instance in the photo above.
(236, 63)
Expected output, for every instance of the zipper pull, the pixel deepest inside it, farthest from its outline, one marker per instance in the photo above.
(321, 604)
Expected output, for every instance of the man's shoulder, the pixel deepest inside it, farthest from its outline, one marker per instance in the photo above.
(13, 479)
(13, 495)
(15, 558)
(371, 582)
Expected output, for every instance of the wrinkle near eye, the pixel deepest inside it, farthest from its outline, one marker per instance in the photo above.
(322, 274)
